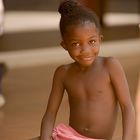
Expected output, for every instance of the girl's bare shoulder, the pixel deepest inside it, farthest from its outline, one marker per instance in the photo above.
(112, 64)
(109, 61)
(63, 69)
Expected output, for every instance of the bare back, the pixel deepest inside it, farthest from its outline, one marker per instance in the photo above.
(93, 104)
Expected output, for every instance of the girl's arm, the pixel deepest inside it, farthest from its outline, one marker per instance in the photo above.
(54, 101)
(120, 85)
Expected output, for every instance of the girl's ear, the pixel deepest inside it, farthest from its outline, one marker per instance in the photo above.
(101, 37)
(63, 45)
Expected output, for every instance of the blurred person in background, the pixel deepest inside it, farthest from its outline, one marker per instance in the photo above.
(2, 65)
(2, 72)
(1, 17)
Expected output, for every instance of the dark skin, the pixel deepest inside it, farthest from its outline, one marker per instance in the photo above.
(95, 85)
(87, 111)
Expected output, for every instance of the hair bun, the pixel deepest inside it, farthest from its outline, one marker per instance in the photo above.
(67, 7)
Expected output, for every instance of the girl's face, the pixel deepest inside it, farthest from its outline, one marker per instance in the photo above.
(82, 41)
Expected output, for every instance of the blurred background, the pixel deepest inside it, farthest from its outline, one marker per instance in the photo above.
(30, 50)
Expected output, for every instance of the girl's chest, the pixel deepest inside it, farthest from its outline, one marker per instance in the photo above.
(89, 83)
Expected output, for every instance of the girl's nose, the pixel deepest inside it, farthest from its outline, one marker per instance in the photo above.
(85, 49)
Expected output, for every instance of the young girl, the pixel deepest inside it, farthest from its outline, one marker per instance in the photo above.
(95, 85)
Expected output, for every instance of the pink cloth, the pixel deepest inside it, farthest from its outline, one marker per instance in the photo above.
(64, 132)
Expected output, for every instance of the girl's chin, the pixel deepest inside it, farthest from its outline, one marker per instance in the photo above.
(86, 64)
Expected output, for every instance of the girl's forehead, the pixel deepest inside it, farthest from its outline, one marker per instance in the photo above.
(87, 27)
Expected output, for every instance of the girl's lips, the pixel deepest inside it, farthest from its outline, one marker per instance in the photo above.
(86, 58)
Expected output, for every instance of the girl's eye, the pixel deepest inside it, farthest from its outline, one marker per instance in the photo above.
(75, 44)
(92, 42)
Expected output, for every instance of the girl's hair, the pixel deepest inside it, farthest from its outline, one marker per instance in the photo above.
(73, 12)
